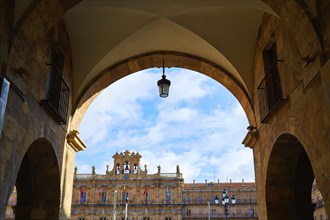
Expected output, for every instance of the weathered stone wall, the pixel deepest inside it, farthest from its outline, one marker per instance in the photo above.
(323, 25)
(6, 11)
(304, 72)
(23, 58)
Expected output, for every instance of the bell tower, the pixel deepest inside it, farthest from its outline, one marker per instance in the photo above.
(126, 165)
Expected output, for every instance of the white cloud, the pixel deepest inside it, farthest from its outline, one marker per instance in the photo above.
(188, 86)
(199, 126)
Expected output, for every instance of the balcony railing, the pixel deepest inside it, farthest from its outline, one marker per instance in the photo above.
(269, 93)
(155, 203)
(104, 177)
(58, 92)
(220, 216)
(204, 202)
(57, 97)
(109, 203)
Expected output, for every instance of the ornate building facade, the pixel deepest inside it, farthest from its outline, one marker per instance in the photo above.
(154, 196)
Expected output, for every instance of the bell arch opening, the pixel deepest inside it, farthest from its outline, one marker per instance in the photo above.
(289, 181)
(38, 183)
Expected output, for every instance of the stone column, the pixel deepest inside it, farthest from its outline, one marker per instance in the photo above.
(74, 145)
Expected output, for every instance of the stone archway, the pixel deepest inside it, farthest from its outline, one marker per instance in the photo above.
(289, 181)
(155, 59)
(38, 183)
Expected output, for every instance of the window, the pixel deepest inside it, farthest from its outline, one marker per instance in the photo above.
(168, 218)
(135, 169)
(146, 195)
(269, 90)
(118, 169)
(58, 92)
(213, 213)
(212, 201)
(126, 168)
(83, 196)
(81, 218)
(103, 218)
(104, 197)
(146, 218)
(124, 196)
(169, 197)
(251, 212)
(188, 212)
(187, 200)
(199, 200)
(57, 58)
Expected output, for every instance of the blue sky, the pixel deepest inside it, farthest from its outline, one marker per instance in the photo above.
(200, 126)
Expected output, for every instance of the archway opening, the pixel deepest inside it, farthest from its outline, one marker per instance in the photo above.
(38, 183)
(199, 125)
(157, 59)
(289, 181)
(215, 169)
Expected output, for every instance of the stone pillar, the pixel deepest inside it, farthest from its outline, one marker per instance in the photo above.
(74, 144)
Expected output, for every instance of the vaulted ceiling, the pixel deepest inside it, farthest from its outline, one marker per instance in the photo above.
(103, 33)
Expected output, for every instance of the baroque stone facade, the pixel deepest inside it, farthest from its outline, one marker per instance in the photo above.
(154, 196)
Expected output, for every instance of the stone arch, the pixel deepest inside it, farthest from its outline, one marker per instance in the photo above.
(38, 183)
(155, 59)
(289, 181)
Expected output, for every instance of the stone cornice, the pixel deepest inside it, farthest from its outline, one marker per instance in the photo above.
(250, 139)
(75, 142)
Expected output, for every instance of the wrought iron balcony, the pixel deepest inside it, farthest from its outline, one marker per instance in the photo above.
(57, 97)
(269, 93)
(220, 216)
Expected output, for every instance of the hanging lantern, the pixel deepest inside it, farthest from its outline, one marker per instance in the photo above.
(163, 85)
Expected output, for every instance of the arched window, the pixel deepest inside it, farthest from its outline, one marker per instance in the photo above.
(135, 169)
(126, 168)
(118, 169)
